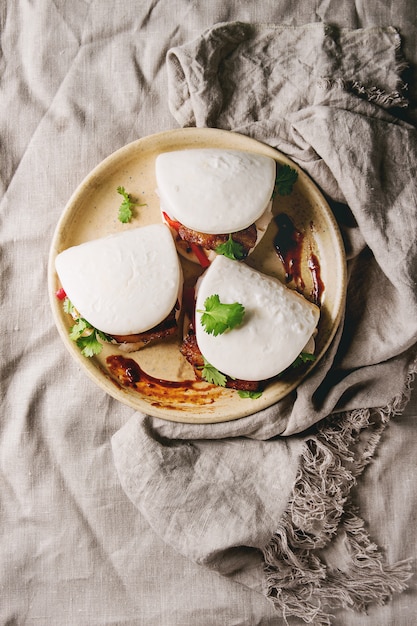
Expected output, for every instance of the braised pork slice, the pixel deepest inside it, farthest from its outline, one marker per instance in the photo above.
(166, 328)
(246, 238)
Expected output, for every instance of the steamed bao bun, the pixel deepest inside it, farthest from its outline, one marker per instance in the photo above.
(125, 283)
(277, 325)
(216, 192)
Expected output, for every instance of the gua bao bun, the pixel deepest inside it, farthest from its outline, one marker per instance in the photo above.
(127, 285)
(207, 194)
(278, 322)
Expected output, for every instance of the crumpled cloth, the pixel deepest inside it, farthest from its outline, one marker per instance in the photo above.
(267, 499)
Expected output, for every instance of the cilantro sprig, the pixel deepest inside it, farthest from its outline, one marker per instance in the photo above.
(217, 317)
(231, 249)
(212, 375)
(249, 394)
(90, 344)
(68, 306)
(285, 180)
(125, 209)
(303, 357)
(84, 334)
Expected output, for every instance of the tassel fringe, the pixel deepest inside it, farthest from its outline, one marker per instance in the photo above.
(396, 98)
(379, 96)
(299, 582)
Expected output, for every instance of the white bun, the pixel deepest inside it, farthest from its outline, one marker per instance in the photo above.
(215, 191)
(277, 325)
(124, 283)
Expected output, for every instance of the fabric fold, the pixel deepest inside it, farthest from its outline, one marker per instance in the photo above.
(207, 498)
(269, 499)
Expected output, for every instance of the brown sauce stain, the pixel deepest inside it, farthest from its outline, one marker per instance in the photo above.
(169, 394)
(288, 244)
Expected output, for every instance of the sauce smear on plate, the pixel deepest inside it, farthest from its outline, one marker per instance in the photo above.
(127, 373)
(288, 244)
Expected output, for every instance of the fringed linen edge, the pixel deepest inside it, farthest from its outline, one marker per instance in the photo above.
(298, 581)
(380, 97)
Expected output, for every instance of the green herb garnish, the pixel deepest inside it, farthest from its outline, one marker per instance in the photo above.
(231, 249)
(285, 180)
(249, 394)
(68, 306)
(125, 210)
(84, 334)
(219, 317)
(303, 357)
(81, 326)
(212, 375)
(89, 344)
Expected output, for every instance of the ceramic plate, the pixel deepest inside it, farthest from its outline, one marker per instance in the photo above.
(167, 387)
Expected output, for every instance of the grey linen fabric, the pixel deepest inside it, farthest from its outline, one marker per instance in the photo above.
(266, 499)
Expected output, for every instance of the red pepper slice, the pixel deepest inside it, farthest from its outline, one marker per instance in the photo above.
(199, 253)
(197, 250)
(60, 294)
(172, 223)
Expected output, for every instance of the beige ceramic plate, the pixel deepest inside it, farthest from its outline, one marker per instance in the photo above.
(168, 389)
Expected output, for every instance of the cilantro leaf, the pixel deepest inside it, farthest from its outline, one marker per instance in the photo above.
(89, 344)
(249, 394)
(303, 357)
(84, 334)
(219, 317)
(103, 336)
(285, 180)
(68, 306)
(231, 249)
(80, 326)
(86, 337)
(125, 210)
(212, 375)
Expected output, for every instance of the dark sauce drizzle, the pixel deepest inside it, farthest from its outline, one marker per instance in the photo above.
(288, 244)
(127, 373)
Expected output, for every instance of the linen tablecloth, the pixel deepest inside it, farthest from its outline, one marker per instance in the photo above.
(78, 81)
